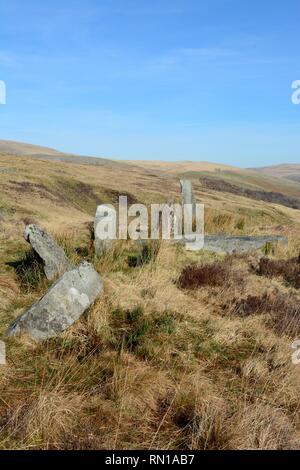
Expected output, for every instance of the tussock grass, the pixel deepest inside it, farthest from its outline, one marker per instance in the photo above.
(182, 351)
(152, 366)
(270, 429)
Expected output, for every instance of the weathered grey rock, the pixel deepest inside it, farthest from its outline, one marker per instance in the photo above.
(236, 244)
(52, 255)
(187, 194)
(105, 227)
(61, 306)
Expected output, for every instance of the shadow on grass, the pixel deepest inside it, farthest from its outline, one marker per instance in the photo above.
(29, 270)
(148, 253)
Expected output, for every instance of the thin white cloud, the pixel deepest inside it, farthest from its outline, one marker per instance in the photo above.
(183, 55)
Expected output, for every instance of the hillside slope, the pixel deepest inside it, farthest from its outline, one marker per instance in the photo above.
(290, 171)
(184, 350)
(8, 147)
(51, 190)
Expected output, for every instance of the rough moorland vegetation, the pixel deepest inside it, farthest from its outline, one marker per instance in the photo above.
(182, 351)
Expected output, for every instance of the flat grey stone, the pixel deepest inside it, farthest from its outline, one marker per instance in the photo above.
(61, 306)
(237, 244)
(52, 255)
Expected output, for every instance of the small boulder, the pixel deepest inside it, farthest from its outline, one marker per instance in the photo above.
(61, 306)
(52, 255)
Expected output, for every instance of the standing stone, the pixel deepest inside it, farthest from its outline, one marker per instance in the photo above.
(193, 242)
(105, 228)
(52, 255)
(187, 194)
(61, 306)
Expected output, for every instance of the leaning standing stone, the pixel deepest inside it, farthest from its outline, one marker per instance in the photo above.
(52, 255)
(61, 306)
(187, 194)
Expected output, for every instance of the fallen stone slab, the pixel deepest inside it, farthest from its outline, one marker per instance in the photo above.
(52, 255)
(236, 244)
(61, 306)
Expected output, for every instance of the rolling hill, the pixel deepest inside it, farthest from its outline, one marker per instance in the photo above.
(290, 171)
(45, 181)
(8, 147)
(156, 362)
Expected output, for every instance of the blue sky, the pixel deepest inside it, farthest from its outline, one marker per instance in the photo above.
(160, 79)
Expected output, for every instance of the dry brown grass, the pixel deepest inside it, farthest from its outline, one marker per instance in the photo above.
(261, 427)
(8, 288)
(203, 364)
(151, 366)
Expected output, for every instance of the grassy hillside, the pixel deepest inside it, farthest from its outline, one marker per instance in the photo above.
(290, 171)
(18, 148)
(184, 350)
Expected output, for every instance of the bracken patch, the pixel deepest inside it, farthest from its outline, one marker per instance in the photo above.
(289, 270)
(215, 274)
(283, 310)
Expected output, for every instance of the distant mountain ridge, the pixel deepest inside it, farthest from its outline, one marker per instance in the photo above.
(9, 147)
(289, 171)
(61, 182)
(285, 171)
(20, 149)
